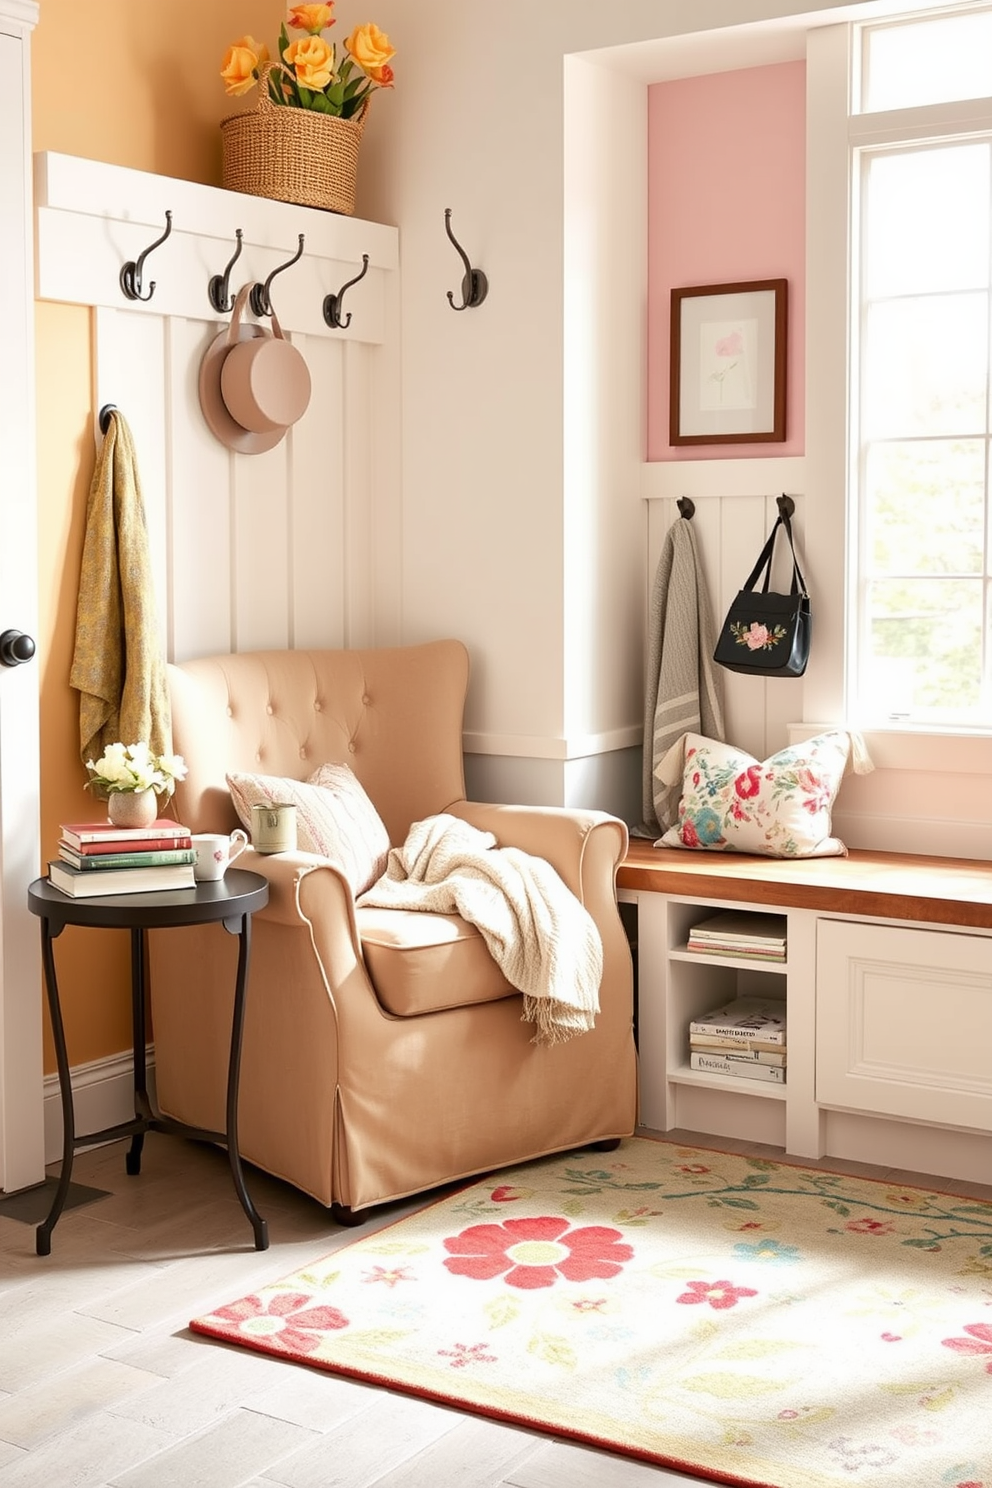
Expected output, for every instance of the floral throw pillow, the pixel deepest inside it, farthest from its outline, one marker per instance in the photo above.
(334, 818)
(778, 807)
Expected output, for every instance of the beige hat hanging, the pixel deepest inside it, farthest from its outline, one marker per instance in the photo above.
(253, 385)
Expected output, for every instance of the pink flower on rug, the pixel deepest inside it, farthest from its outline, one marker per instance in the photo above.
(532, 1253)
(285, 1322)
(868, 1226)
(718, 1294)
(507, 1194)
(980, 1341)
(462, 1354)
(389, 1277)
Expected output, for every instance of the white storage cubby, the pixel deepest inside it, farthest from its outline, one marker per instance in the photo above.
(677, 985)
(697, 983)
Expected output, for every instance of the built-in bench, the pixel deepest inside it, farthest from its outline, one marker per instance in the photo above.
(888, 987)
(896, 886)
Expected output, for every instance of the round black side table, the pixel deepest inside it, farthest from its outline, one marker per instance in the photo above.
(231, 901)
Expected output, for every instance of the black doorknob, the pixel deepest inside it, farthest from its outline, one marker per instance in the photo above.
(15, 648)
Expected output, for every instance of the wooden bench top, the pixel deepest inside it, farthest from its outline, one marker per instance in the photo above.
(896, 886)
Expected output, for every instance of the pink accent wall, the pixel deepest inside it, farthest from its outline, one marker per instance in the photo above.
(726, 203)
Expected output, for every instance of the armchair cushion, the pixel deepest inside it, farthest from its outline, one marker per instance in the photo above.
(421, 963)
(334, 818)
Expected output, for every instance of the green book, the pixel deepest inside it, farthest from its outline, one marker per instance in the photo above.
(86, 862)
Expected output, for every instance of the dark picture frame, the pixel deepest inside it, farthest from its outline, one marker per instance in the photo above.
(728, 363)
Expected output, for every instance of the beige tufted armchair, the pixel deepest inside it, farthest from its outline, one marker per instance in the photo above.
(384, 1053)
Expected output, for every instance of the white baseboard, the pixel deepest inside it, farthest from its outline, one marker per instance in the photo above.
(102, 1096)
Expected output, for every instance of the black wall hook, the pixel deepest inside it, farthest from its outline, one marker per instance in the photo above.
(219, 288)
(259, 299)
(475, 285)
(131, 282)
(786, 506)
(687, 507)
(332, 302)
(103, 418)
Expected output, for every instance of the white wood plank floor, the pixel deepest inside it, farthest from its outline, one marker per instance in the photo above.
(101, 1382)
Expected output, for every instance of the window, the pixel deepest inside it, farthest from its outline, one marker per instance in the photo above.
(921, 412)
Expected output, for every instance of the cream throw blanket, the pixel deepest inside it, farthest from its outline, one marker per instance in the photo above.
(540, 935)
(117, 665)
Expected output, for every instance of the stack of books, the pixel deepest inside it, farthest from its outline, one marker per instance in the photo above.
(98, 858)
(752, 937)
(744, 1038)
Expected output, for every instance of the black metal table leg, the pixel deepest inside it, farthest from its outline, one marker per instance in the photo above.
(43, 1234)
(242, 928)
(142, 1106)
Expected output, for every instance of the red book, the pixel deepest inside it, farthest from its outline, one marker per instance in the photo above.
(81, 834)
(132, 844)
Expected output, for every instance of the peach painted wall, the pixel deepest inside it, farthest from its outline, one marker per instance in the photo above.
(726, 204)
(152, 100)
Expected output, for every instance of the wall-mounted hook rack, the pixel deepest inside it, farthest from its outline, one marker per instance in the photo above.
(687, 507)
(786, 506)
(475, 285)
(332, 302)
(131, 282)
(259, 299)
(219, 288)
(103, 418)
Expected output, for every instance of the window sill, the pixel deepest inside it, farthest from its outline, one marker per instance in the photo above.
(908, 749)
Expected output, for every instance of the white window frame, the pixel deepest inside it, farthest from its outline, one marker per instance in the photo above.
(833, 133)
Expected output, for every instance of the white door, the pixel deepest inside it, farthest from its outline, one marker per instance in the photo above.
(21, 1104)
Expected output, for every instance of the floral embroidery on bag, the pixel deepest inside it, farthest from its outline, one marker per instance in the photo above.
(757, 637)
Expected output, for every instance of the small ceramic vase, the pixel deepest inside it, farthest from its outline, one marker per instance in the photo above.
(132, 808)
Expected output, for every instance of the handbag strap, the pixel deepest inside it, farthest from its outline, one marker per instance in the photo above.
(798, 585)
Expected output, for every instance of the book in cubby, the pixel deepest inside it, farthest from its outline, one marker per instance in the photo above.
(745, 1038)
(100, 858)
(741, 934)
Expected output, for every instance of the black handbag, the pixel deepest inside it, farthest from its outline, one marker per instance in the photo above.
(768, 634)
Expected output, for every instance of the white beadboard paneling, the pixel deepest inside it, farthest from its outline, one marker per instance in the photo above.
(359, 405)
(200, 601)
(387, 477)
(131, 372)
(260, 578)
(317, 502)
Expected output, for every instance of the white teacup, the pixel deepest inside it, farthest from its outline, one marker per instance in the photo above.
(215, 852)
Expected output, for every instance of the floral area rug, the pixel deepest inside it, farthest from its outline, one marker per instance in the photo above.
(749, 1321)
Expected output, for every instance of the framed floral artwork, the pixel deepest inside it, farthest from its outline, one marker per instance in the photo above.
(728, 363)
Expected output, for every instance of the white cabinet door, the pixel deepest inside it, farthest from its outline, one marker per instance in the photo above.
(21, 1127)
(904, 1023)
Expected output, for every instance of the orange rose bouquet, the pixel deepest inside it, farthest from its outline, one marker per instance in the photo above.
(310, 72)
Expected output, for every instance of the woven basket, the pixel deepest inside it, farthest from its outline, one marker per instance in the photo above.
(293, 155)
